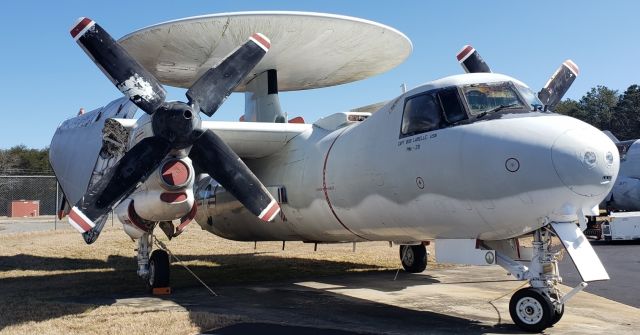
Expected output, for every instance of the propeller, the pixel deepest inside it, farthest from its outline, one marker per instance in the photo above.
(558, 84)
(471, 61)
(549, 95)
(176, 125)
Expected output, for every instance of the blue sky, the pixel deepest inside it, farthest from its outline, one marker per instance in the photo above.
(46, 77)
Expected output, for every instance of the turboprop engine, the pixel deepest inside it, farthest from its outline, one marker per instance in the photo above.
(165, 196)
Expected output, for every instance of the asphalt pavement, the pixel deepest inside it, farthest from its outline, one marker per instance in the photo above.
(622, 261)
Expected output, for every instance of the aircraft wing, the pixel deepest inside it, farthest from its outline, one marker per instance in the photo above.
(255, 139)
(77, 142)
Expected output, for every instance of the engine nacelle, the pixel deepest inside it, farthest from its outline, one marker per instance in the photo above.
(131, 223)
(222, 214)
(166, 195)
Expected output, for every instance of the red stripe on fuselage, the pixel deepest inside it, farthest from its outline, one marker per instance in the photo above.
(326, 190)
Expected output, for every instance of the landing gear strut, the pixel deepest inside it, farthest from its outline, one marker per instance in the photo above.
(541, 305)
(413, 257)
(154, 270)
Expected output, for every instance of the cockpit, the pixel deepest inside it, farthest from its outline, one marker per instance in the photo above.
(451, 105)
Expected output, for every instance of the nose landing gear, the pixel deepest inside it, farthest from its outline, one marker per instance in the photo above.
(531, 310)
(541, 305)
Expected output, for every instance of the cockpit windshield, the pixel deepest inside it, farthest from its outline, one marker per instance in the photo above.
(530, 97)
(487, 97)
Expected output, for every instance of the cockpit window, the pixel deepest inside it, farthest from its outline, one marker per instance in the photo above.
(530, 97)
(421, 114)
(432, 110)
(487, 97)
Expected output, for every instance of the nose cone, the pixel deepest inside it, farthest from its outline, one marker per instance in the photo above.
(586, 161)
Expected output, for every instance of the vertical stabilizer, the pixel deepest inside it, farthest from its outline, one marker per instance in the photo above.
(262, 103)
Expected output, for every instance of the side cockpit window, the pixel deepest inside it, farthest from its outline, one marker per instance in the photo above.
(453, 110)
(432, 110)
(421, 114)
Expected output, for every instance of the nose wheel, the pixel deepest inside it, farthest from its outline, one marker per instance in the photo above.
(532, 311)
(413, 257)
(541, 305)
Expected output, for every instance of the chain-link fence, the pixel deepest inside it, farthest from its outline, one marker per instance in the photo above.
(42, 188)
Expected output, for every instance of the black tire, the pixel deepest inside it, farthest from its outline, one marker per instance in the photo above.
(557, 315)
(159, 269)
(413, 258)
(530, 310)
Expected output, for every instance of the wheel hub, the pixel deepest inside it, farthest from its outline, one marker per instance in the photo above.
(408, 256)
(529, 310)
(152, 273)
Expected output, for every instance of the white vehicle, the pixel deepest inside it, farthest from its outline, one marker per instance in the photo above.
(623, 226)
(472, 160)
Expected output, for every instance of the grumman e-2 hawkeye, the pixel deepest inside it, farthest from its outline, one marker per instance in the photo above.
(472, 161)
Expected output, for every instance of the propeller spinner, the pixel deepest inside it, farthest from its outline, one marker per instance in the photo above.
(176, 125)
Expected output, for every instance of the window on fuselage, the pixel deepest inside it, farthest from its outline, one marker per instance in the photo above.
(432, 110)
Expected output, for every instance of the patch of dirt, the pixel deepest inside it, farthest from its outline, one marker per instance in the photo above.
(41, 270)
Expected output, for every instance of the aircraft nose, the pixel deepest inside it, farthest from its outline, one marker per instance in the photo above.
(586, 161)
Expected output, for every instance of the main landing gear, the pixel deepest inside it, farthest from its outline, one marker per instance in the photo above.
(413, 257)
(541, 305)
(155, 270)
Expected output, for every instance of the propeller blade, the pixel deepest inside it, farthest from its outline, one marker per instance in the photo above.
(211, 154)
(471, 61)
(90, 213)
(124, 71)
(559, 84)
(213, 87)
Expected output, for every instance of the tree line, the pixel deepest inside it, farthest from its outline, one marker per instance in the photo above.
(606, 109)
(601, 107)
(21, 160)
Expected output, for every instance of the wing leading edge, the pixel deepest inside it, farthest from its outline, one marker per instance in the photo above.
(256, 139)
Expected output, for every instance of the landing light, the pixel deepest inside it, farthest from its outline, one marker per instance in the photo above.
(609, 158)
(590, 158)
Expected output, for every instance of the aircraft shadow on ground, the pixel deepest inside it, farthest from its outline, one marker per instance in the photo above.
(81, 284)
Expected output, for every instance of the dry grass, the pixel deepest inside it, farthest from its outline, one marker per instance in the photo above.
(40, 272)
